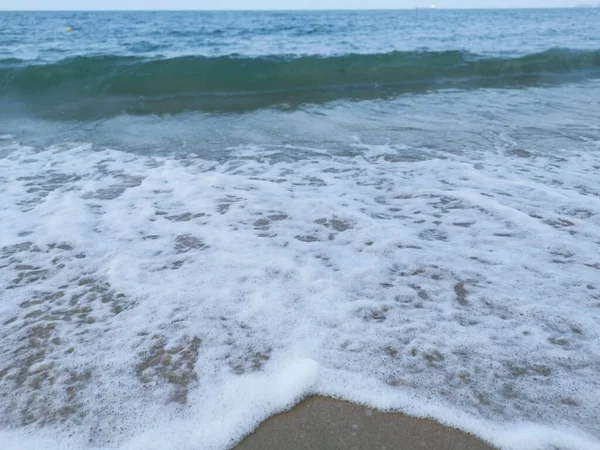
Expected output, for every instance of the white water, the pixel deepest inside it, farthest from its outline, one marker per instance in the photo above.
(162, 303)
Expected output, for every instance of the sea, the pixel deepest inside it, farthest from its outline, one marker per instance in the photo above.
(206, 217)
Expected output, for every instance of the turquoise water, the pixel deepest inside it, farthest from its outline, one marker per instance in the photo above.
(207, 216)
(41, 36)
(156, 63)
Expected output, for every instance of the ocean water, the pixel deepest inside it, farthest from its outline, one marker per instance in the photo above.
(206, 217)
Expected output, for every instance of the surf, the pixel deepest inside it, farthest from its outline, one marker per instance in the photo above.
(110, 84)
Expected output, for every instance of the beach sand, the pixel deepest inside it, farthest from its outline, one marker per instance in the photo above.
(324, 423)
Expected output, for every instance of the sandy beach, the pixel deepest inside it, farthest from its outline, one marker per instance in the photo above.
(325, 423)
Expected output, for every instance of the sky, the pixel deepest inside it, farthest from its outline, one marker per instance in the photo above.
(273, 4)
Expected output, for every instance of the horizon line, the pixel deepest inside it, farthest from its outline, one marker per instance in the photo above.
(294, 9)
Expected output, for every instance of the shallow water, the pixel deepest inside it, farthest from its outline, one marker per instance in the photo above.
(170, 280)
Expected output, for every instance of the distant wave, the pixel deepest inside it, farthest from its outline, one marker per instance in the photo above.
(138, 85)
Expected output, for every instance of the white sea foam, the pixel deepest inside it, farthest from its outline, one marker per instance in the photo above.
(156, 303)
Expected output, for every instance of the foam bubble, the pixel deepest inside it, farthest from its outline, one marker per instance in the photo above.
(158, 302)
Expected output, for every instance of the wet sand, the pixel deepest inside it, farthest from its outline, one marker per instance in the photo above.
(325, 424)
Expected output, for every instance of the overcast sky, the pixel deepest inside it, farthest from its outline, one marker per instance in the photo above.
(275, 4)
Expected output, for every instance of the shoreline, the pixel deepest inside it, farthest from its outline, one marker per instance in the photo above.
(325, 423)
